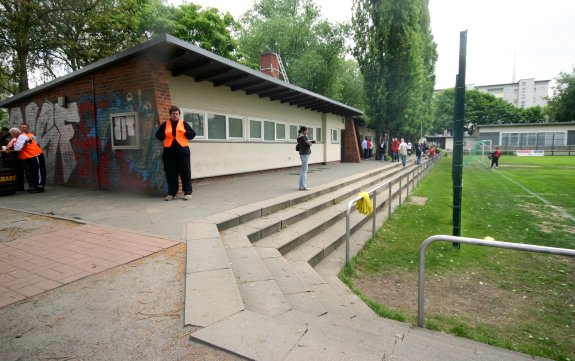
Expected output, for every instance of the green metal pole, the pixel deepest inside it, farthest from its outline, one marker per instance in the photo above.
(458, 120)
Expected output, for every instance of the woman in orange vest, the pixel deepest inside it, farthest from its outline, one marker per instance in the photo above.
(176, 156)
(33, 158)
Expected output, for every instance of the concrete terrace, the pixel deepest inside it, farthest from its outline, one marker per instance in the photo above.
(262, 261)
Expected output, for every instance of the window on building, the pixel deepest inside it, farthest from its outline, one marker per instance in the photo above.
(280, 131)
(310, 133)
(255, 129)
(318, 135)
(216, 126)
(335, 136)
(196, 120)
(293, 132)
(269, 130)
(236, 128)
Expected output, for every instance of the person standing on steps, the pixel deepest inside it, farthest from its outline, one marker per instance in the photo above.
(176, 134)
(364, 148)
(418, 154)
(304, 152)
(402, 150)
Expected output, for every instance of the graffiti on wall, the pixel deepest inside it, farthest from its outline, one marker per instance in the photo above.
(53, 128)
(81, 149)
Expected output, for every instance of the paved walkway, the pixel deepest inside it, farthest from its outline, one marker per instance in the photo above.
(112, 229)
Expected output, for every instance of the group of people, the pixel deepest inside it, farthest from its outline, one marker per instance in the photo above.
(366, 148)
(20, 146)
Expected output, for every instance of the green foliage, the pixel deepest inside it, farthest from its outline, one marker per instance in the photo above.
(312, 49)
(66, 35)
(206, 28)
(561, 106)
(396, 54)
(526, 298)
(480, 108)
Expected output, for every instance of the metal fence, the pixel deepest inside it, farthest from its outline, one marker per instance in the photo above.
(410, 177)
(479, 242)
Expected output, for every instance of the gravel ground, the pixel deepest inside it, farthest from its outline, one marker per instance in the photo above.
(132, 312)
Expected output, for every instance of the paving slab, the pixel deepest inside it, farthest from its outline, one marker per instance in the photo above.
(211, 296)
(247, 265)
(264, 297)
(318, 346)
(253, 335)
(206, 254)
(285, 275)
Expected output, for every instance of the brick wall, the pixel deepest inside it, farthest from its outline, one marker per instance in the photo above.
(269, 65)
(76, 138)
(350, 147)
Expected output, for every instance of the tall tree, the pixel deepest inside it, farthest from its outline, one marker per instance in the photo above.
(312, 49)
(561, 107)
(20, 41)
(396, 53)
(52, 37)
(206, 28)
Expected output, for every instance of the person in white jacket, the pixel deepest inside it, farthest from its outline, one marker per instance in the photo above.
(403, 152)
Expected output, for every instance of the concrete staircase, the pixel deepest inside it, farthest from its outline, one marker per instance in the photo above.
(261, 280)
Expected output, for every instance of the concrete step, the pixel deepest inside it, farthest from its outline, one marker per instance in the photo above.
(261, 227)
(271, 304)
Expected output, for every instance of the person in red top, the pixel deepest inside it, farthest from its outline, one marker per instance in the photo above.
(176, 156)
(495, 158)
(431, 152)
(395, 150)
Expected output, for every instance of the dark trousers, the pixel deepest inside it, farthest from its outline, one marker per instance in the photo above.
(19, 166)
(177, 166)
(365, 153)
(494, 161)
(35, 168)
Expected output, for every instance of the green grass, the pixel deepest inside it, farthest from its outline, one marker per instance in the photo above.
(522, 301)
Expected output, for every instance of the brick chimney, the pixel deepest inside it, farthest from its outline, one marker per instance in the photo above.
(269, 65)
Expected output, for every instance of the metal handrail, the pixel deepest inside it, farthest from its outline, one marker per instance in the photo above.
(479, 242)
(373, 195)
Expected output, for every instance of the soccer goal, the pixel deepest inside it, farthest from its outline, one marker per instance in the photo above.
(481, 149)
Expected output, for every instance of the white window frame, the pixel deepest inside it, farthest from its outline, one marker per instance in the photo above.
(310, 130)
(264, 130)
(203, 112)
(243, 119)
(226, 134)
(335, 136)
(286, 129)
(319, 135)
(296, 129)
(261, 122)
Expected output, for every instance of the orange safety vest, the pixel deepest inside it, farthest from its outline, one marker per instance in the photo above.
(31, 149)
(180, 134)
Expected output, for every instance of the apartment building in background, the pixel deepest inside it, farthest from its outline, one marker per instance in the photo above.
(525, 93)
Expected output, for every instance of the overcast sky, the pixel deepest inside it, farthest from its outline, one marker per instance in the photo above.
(506, 39)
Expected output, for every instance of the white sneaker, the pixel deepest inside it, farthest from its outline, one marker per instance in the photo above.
(169, 198)
(187, 197)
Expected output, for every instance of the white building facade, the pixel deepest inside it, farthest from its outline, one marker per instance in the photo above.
(526, 93)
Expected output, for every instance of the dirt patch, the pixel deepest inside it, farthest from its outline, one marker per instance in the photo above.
(16, 225)
(135, 311)
(419, 201)
(455, 296)
(549, 217)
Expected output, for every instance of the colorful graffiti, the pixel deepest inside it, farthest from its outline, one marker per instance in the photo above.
(78, 149)
(53, 129)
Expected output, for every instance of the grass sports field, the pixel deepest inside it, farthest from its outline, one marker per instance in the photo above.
(517, 300)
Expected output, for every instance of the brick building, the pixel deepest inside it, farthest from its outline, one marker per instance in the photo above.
(97, 125)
